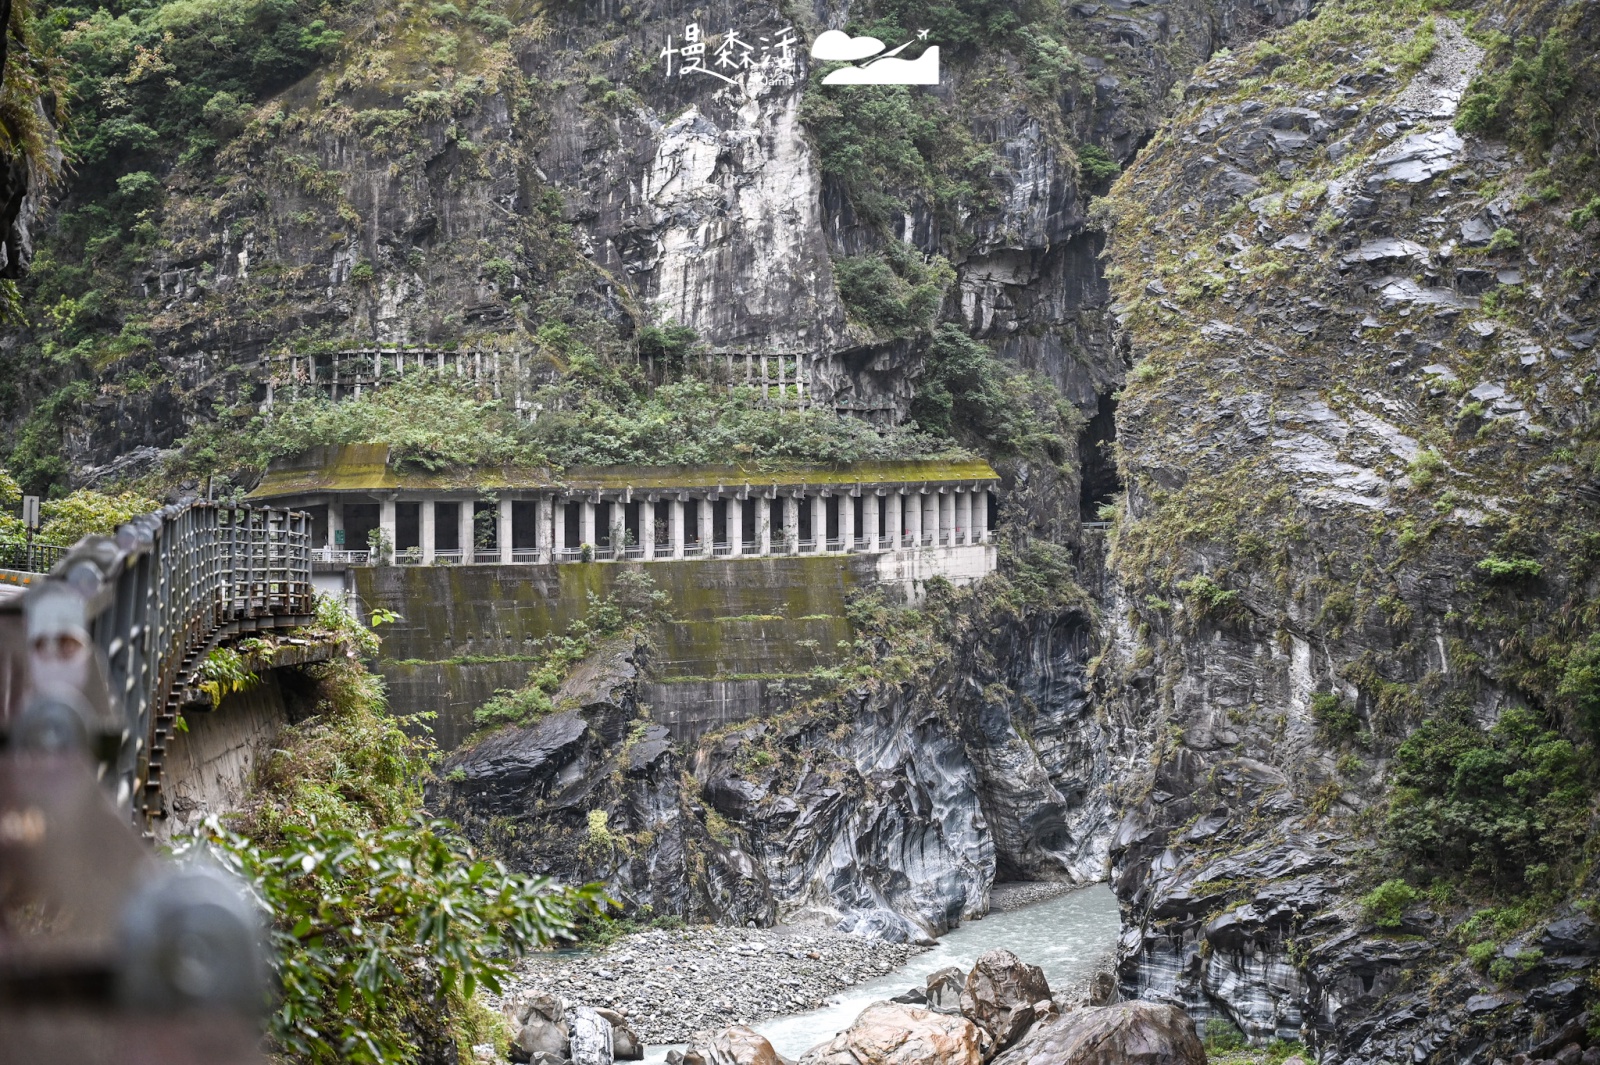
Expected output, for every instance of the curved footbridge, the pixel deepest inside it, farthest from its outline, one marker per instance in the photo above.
(106, 648)
(758, 565)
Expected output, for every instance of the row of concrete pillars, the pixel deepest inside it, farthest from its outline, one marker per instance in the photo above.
(550, 528)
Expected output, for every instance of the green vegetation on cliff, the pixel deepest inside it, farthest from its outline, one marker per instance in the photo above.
(967, 392)
(636, 603)
(385, 923)
(68, 519)
(1501, 806)
(600, 413)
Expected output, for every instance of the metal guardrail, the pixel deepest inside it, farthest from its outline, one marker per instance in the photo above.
(155, 599)
(38, 558)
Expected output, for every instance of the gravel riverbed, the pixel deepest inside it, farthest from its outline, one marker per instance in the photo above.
(1006, 897)
(671, 983)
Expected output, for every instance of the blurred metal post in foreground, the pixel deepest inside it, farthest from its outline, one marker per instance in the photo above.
(107, 953)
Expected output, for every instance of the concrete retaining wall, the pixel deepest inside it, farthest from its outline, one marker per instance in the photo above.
(739, 623)
(209, 767)
(912, 570)
(691, 708)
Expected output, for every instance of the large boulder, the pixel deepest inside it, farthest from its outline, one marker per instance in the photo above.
(589, 1035)
(1128, 1033)
(888, 1033)
(1000, 994)
(734, 1045)
(541, 1028)
(625, 1042)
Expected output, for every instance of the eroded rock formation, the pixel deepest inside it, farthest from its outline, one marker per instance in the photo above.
(889, 809)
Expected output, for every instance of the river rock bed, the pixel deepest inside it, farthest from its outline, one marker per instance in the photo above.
(1014, 895)
(671, 983)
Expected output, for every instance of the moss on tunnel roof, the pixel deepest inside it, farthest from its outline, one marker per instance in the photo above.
(368, 468)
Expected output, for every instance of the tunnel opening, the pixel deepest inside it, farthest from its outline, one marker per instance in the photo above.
(1097, 460)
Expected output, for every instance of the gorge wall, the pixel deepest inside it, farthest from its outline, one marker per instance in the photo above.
(1362, 373)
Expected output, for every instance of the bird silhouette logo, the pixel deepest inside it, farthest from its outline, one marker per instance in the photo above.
(871, 65)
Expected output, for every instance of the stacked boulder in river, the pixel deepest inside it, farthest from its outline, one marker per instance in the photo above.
(552, 1031)
(1004, 995)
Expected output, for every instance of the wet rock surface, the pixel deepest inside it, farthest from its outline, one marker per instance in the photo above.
(670, 984)
(1004, 995)
(734, 1045)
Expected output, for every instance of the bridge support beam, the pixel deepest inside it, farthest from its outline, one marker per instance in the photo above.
(464, 515)
(427, 530)
(502, 539)
(791, 524)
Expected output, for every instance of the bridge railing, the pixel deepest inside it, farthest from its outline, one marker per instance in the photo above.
(38, 558)
(156, 597)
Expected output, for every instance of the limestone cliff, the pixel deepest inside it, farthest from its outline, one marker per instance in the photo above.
(445, 179)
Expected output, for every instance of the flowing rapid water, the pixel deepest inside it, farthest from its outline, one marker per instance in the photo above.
(1068, 937)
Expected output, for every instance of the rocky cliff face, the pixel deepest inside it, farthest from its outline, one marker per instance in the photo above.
(30, 159)
(888, 806)
(449, 180)
(1361, 376)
